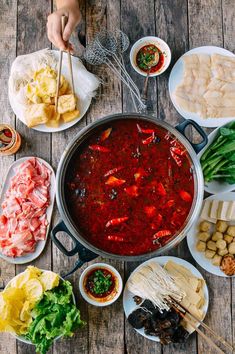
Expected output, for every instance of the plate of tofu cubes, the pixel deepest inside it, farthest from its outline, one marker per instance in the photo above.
(211, 240)
(32, 97)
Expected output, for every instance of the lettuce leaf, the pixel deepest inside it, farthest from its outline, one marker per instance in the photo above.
(54, 315)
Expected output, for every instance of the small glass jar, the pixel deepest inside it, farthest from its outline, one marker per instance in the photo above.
(10, 140)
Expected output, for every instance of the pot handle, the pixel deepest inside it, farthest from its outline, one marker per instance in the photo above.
(181, 128)
(85, 255)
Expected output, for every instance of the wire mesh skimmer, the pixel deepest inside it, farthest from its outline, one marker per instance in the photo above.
(107, 48)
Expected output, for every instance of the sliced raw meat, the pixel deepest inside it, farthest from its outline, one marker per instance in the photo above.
(23, 221)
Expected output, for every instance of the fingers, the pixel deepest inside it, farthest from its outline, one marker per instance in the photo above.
(54, 31)
(57, 33)
(54, 27)
(72, 22)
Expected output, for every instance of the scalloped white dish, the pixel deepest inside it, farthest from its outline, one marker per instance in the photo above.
(192, 239)
(176, 77)
(129, 304)
(83, 102)
(40, 244)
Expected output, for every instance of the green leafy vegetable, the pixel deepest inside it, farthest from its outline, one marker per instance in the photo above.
(218, 160)
(101, 282)
(54, 315)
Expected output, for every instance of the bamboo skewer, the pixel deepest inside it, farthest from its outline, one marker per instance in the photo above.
(71, 70)
(207, 339)
(203, 335)
(191, 318)
(64, 20)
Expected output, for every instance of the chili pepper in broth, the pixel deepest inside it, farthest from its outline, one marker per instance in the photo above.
(114, 182)
(105, 134)
(116, 238)
(114, 170)
(185, 196)
(149, 140)
(144, 131)
(116, 221)
(162, 233)
(99, 148)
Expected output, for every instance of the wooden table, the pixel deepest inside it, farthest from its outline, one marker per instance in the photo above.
(183, 25)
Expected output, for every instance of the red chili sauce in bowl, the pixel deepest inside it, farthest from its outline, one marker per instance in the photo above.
(100, 284)
(145, 55)
(129, 188)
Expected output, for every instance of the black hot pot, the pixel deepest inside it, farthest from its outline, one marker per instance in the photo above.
(85, 250)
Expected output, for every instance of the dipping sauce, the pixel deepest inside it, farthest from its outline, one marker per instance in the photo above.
(146, 55)
(129, 187)
(101, 284)
(10, 140)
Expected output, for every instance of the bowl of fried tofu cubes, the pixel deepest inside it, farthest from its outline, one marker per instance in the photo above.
(40, 94)
(216, 234)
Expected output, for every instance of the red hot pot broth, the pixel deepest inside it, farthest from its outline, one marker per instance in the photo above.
(129, 187)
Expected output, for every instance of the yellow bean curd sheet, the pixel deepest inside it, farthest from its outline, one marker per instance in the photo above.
(208, 86)
(192, 286)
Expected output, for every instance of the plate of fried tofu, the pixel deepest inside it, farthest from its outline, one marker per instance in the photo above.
(38, 109)
(211, 240)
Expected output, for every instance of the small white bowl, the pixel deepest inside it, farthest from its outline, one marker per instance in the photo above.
(158, 42)
(96, 302)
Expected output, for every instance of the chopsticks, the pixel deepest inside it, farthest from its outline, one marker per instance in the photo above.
(191, 318)
(64, 20)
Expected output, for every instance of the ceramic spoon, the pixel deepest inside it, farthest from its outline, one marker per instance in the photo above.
(150, 64)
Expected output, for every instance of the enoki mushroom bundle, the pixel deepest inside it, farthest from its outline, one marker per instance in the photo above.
(152, 282)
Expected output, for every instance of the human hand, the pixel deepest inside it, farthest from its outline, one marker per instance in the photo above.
(70, 9)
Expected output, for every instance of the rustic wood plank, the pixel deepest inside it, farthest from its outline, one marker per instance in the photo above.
(205, 28)
(8, 19)
(203, 15)
(228, 11)
(61, 263)
(171, 26)
(176, 35)
(205, 23)
(137, 20)
(32, 37)
(109, 320)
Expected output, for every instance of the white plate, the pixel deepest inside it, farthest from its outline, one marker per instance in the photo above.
(214, 187)
(130, 305)
(83, 103)
(21, 338)
(40, 244)
(192, 239)
(176, 77)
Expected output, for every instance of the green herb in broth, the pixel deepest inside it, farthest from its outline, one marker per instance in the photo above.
(145, 56)
(102, 282)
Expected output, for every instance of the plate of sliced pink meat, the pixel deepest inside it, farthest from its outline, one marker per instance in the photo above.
(26, 206)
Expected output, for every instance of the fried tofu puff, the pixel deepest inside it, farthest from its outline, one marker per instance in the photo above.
(66, 103)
